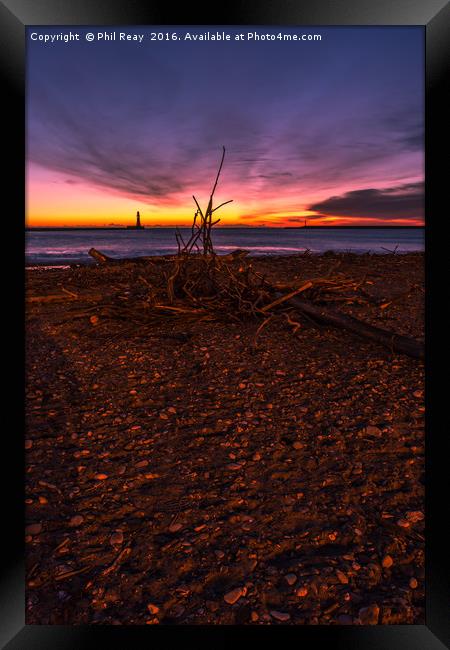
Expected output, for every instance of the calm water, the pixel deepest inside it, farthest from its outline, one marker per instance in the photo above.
(60, 247)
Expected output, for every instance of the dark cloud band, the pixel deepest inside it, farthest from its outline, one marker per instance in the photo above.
(404, 201)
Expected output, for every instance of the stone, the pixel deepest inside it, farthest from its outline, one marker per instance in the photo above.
(152, 608)
(387, 562)
(298, 445)
(233, 596)
(33, 529)
(302, 592)
(174, 528)
(101, 477)
(403, 523)
(76, 520)
(413, 583)
(373, 431)
(369, 615)
(116, 538)
(341, 577)
(280, 616)
(291, 579)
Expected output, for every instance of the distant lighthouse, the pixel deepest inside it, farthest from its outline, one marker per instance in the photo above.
(138, 225)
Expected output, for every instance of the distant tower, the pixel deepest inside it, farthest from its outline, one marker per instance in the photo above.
(138, 225)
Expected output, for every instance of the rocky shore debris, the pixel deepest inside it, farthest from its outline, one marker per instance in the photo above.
(325, 432)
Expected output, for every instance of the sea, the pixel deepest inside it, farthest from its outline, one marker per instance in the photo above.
(70, 246)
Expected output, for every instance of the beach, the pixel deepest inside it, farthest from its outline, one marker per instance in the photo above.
(199, 472)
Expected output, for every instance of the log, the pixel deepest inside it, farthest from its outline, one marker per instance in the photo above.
(391, 340)
(96, 297)
(101, 258)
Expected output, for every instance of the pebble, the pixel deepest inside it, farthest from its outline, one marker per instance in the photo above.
(291, 578)
(152, 608)
(76, 520)
(174, 528)
(387, 561)
(94, 320)
(233, 596)
(101, 477)
(254, 617)
(152, 621)
(116, 538)
(369, 615)
(302, 592)
(28, 444)
(373, 431)
(414, 516)
(413, 583)
(341, 577)
(142, 463)
(33, 529)
(235, 466)
(298, 445)
(403, 523)
(280, 616)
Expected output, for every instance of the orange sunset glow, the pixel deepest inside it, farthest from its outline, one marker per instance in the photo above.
(334, 140)
(55, 200)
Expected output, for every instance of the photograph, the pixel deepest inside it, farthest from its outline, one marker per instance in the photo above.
(224, 325)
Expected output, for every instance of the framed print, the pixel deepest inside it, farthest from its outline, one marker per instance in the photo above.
(232, 413)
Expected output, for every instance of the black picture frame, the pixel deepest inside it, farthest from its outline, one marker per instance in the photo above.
(434, 16)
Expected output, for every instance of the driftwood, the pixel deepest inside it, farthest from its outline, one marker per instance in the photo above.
(306, 307)
(66, 297)
(210, 285)
(103, 259)
(202, 225)
(395, 342)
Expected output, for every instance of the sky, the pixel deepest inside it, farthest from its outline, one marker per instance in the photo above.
(329, 131)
